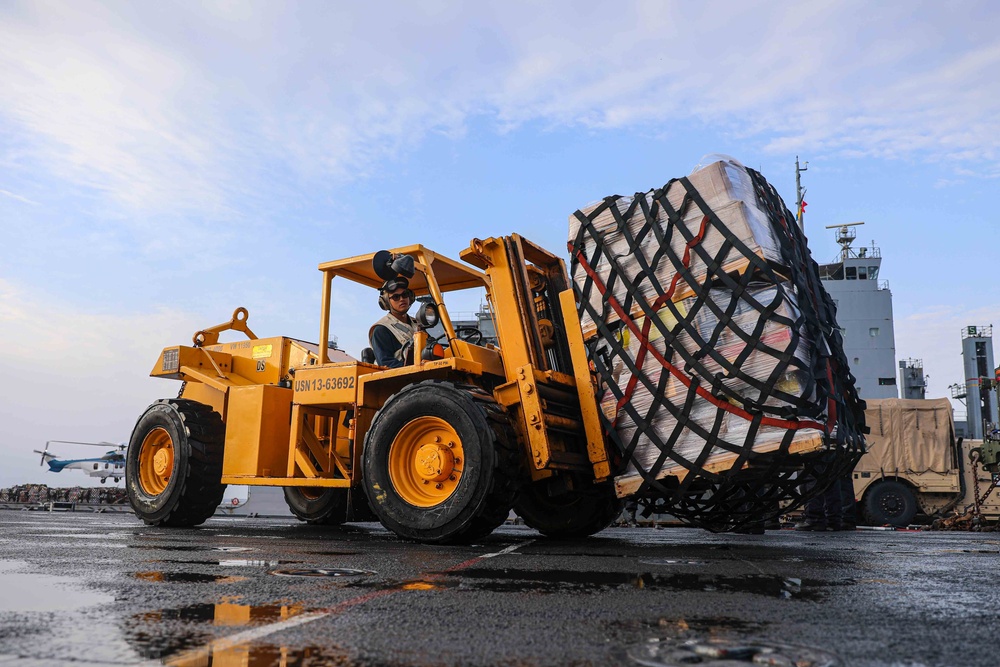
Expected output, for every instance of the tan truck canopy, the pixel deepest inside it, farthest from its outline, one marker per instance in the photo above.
(914, 436)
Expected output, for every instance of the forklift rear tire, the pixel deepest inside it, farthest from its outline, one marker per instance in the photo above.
(173, 467)
(573, 514)
(890, 502)
(316, 505)
(440, 463)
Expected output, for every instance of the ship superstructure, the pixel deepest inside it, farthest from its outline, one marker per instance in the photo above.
(864, 313)
(977, 360)
(912, 381)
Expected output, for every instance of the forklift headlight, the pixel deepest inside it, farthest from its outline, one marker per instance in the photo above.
(428, 316)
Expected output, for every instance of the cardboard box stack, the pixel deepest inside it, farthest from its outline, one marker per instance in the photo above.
(630, 239)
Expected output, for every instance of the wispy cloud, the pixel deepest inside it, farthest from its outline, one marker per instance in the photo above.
(23, 200)
(198, 108)
(105, 109)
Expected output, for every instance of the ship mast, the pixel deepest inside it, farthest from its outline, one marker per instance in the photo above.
(800, 193)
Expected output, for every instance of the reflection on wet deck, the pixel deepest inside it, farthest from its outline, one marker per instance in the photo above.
(180, 636)
(187, 577)
(23, 590)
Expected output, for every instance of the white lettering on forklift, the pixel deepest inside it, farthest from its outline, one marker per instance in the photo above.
(325, 384)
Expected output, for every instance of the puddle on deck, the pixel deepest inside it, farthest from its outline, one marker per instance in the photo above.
(559, 581)
(25, 590)
(233, 562)
(672, 561)
(334, 572)
(185, 547)
(187, 577)
(224, 613)
(183, 636)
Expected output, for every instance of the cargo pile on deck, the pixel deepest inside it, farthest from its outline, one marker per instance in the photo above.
(716, 346)
(40, 494)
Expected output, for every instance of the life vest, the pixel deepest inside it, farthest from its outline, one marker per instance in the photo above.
(403, 332)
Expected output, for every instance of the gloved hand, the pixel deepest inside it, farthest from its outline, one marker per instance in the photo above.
(407, 352)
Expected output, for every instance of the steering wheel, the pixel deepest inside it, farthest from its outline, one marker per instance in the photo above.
(470, 335)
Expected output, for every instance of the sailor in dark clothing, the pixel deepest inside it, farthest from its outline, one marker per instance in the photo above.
(392, 336)
(834, 509)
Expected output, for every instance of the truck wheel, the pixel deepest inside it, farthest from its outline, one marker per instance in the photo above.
(577, 513)
(440, 462)
(890, 502)
(317, 505)
(173, 467)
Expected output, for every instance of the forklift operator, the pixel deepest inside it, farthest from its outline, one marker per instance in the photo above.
(392, 336)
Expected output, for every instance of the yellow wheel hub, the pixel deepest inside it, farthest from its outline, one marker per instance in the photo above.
(156, 461)
(161, 462)
(435, 462)
(425, 461)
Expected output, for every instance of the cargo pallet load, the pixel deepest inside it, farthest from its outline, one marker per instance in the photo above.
(723, 377)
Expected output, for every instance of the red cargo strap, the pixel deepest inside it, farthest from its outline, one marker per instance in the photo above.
(642, 336)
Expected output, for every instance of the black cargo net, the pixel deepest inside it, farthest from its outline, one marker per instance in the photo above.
(725, 391)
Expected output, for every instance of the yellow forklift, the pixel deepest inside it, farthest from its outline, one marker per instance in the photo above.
(438, 451)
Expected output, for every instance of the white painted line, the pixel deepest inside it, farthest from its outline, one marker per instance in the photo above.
(510, 549)
(198, 656)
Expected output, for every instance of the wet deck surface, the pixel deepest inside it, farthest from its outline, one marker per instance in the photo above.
(107, 590)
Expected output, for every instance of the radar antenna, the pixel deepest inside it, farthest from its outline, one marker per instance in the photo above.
(845, 236)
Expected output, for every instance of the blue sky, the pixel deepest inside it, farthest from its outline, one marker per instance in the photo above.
(161, 165)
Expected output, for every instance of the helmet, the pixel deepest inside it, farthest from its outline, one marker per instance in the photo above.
(390, 286)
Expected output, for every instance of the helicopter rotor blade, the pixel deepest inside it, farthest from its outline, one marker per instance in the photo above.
(74, 442)
(44, 452)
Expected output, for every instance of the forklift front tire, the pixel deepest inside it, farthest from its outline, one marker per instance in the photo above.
(440, 463)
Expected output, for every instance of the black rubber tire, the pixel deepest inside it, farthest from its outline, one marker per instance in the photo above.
(485, 493)
(327, 507)
(574, 514)
(195, 488)
(890, 502)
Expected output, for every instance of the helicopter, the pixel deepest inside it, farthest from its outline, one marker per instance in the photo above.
(111, 465)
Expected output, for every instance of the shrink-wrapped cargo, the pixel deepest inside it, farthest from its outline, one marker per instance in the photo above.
(633, 246)
(715, 346)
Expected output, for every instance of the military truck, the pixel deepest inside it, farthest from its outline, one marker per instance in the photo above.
(915, 465)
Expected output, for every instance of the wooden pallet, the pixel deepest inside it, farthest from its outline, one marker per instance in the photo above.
(809, 442)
